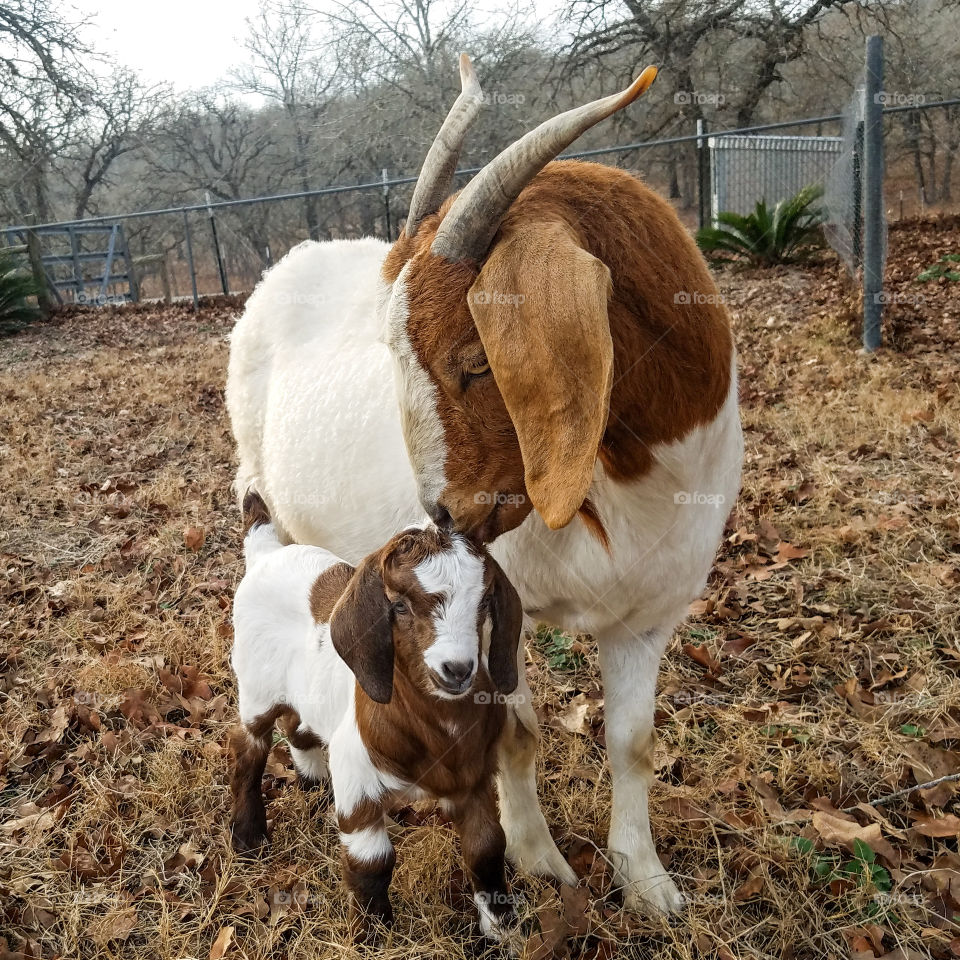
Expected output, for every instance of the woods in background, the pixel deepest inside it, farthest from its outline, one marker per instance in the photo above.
(334, 94)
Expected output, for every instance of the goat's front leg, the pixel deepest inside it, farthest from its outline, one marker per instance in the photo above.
(529, 844)
(250, 746)
(483, 844)
(630, 663)
(368, 861)
(368, 854)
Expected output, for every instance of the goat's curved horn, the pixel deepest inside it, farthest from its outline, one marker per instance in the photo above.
(436, 174)
(469, 226)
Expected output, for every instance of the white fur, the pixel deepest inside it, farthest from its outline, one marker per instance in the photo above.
(418, 400)
(490, 925)
(308, 384)
(369, 843)
(318, 423)
(457, 576)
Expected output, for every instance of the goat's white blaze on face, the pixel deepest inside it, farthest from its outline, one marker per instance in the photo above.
(422, 429)
(457, 576)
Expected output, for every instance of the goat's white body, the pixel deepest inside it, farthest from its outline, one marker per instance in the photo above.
(280, 654)
(312, 400)
(315, 411)
(317, 419)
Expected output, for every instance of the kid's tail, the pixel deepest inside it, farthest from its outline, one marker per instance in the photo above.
(259, 534)
(255, 511)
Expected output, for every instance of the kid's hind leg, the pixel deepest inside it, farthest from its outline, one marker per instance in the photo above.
(309, 754)
(250, 747)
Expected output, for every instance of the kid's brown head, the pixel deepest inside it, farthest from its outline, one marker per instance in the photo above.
(433, 606)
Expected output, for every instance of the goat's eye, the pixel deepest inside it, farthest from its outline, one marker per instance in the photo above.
(399, 608)
(477, 367)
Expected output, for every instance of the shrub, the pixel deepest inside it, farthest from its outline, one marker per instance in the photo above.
(17, 285)
(785, 234)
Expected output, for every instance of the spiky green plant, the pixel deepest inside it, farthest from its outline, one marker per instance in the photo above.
(17, 285)
(784, 234)
(944, 267)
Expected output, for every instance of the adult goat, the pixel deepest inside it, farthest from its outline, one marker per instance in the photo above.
(563, 384)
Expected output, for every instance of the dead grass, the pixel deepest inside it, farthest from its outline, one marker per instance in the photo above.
(821, 669)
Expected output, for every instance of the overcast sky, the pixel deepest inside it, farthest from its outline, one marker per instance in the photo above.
(193, 43)
(189, 43)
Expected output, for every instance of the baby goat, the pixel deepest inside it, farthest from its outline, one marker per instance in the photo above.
(395, 665)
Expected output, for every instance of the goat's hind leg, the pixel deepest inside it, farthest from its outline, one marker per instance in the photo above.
(250, 747)
(309, 755)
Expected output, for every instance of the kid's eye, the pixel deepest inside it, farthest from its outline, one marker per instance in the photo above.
(399, 608)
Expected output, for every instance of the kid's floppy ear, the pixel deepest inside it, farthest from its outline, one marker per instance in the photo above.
(506, 614)
(361, 631)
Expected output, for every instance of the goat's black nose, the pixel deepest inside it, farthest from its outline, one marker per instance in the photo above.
(440, 515)
(457, 671)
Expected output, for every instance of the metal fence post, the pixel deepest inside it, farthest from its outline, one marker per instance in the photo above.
(193, 272)
(703, 175)
(386, 202)
(873, 195)
(216, 245)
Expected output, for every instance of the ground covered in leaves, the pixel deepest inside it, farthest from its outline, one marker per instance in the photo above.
(820, 671)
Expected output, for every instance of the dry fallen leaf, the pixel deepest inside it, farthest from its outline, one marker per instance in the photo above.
(577, 716)
(222, 944)
(946, 826)
(193, 538)
(835, 829)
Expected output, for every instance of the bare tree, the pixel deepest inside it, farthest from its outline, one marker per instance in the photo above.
(287, 67)
(122, 116)
(44, 91)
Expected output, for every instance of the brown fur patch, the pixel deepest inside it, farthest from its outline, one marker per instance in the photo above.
(447, 747)
(327, 590)
(594, 523)
(255, 511)
(671, 360)
(302, 739)
(367, 813)
(248, 818)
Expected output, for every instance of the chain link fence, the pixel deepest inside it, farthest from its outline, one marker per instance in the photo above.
(200, 250)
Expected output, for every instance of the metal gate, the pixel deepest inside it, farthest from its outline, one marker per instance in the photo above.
(84, 263)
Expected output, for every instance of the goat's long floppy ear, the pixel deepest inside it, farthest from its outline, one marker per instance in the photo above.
(506, 615)
(540, 306)
(361, 631)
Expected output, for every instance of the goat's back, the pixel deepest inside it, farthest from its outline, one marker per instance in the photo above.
(311, 397)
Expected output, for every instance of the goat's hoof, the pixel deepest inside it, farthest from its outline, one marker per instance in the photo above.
(655, 896)
(310, 784)
(364, 924)
(249, 842)
(541, 859)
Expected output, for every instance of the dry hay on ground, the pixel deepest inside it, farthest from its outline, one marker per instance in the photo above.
(820, 670)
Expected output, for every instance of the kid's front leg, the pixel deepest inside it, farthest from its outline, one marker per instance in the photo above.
(368, 854)
(484, 845)
(368, 861)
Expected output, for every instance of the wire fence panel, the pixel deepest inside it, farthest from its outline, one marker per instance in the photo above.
(747, 169)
